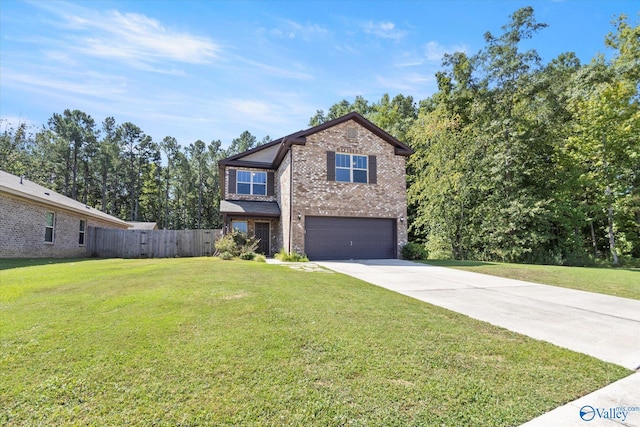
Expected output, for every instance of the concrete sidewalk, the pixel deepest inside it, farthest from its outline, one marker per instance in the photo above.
(601, 326)
(617, 404)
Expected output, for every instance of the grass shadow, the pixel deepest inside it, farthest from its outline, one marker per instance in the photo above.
(10, 263)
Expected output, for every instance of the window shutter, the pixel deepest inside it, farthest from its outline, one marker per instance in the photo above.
(232, 181)
(331, 165)
(373, 170)
(270, 177)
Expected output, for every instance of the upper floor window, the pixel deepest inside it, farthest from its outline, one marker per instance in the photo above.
(254, 183)
(49, 227)
(351, 168)
(83, 230)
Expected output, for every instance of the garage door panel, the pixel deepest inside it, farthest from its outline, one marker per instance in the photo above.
(350, 238)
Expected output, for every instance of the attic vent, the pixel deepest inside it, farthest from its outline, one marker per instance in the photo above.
(352, 133)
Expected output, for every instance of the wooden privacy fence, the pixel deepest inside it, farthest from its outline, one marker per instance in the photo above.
(114, 243)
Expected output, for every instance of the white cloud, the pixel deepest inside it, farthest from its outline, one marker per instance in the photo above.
(295, 71)
(408, 59)
(281, 34)
(306, 31)
(416, 84)
(395, 83)
(294, 30)
(434, 51)
(7, 122)
(252, 108)
(385, 30)
(131, 38)
(88, 84)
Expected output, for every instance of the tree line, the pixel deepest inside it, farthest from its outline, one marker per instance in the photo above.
(515, 160)
(122, 171)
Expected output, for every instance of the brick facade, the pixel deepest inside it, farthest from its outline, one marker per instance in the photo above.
(233, 195)
(303, 187)
(23, 230)
(314, 195)
(283, 192)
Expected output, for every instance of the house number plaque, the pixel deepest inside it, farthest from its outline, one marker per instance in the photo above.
(347, 150)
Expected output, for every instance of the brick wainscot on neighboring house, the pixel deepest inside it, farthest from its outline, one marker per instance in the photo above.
(334, 191)
(36, 222)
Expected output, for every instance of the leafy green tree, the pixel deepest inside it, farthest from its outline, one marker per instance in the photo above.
(212, 207)
(169, 146)
(339, 109)
(244, 142)
(106, 162)
(396, 115)
(16, 145)
(606, 141)
(74, 131)
(198, 155)
(138, 149)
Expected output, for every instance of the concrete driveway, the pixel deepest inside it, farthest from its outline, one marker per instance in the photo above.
(601, 326)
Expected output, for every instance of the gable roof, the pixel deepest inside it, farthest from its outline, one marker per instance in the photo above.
(25, 189)
(271, 158)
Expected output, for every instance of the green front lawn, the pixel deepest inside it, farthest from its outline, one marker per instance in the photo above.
(207, 342)
(620, 282)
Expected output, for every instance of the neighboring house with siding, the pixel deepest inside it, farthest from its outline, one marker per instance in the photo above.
(334, 191)
(36, 222)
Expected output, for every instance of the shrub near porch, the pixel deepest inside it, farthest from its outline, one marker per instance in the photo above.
(206, 342)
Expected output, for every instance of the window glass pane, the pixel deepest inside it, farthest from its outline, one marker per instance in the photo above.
(243, 176)
(360, 162)
(260, 177)
(343, 175)
(342, 160)
(83, 225)
(240, 226)
(360, 176)
(48, 234)
(50, 217)
(259, 189)
(244, 188)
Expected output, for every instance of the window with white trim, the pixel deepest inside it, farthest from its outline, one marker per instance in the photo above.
(82, 232)
(254, 183)
(351, 168)
(49, 228)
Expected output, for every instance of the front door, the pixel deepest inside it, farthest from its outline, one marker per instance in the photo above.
(262, 233)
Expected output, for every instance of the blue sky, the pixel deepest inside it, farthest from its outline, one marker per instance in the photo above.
(212, 69)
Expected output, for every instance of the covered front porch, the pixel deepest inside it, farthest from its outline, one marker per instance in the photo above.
(257, 218)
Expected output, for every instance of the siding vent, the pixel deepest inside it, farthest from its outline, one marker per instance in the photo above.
(352, 133)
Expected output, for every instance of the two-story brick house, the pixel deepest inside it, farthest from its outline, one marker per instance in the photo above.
(334, 191)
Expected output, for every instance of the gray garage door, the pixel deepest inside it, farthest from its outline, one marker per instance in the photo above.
(350, 238)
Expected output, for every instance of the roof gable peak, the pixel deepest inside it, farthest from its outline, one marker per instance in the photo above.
(299, 138)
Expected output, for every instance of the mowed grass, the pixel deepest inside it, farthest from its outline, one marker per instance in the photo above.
(208, 342)
(620, 282)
